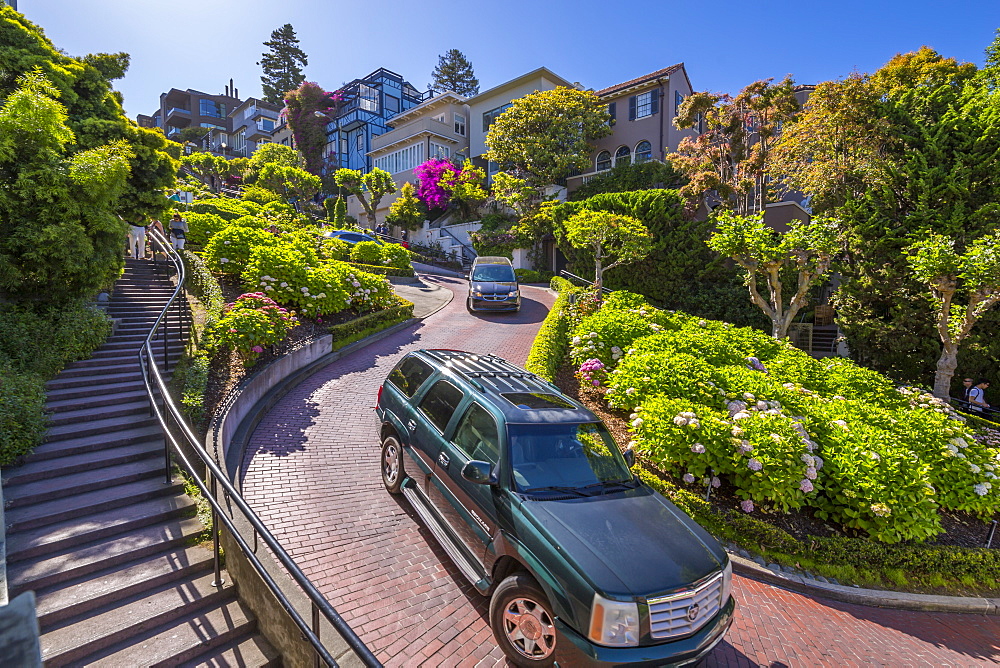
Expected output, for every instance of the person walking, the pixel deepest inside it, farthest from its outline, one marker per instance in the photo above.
(966, 387)
(977, 396)
(137, 240)
(178, 230)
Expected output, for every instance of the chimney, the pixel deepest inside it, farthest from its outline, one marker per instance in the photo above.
(236, 93)
(232, 90)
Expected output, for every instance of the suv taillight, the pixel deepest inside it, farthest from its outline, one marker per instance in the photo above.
(378, 399)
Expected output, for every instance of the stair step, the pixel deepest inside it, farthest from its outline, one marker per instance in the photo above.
(57, 604)
(95, 391)
(60, 383)
(42, 541)
(66, 404)
(47, 469)
(85, 481)
(122, 621)
(83, 413)
(100, 426)
(250, 650)
(42, 514)
(99, 555)
(179, 644)
(106, 367)
(124, 357)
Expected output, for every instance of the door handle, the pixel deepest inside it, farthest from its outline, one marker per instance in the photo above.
(411, 425)
(443, 460)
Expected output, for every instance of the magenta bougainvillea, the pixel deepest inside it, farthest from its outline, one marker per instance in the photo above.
(429, 188)
(308, 129)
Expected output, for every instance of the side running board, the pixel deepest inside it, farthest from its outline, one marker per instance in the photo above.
(471, 572)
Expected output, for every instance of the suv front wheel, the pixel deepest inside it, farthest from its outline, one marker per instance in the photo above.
(523, 623)
(392, 464)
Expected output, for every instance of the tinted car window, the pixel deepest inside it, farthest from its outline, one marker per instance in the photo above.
(565, 455)
(440, 403)
(496, 273)
(477, 435)
(410, 374)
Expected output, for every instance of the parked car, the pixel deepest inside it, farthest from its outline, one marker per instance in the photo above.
(529, 495)
(351, 236)
(493, 285)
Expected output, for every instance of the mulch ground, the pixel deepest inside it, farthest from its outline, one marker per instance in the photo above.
(960, 529)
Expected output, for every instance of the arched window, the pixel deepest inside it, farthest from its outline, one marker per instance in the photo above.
(643, 152)
(623, 156)
(603, 161)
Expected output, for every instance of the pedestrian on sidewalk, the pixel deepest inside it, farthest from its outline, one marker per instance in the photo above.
(137, 240)
(977, 396)
(966, 388)
(178, 230)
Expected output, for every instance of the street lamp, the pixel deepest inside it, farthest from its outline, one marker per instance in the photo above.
(223, 147)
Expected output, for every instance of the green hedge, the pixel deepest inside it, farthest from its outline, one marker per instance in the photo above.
(552, 340)
(532, 276)
(383, 270)
(363, 326)
(946, 562)
(203, 285)
(22, 413)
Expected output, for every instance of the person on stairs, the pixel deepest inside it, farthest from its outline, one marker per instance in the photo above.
(178, 230)
(136, 240)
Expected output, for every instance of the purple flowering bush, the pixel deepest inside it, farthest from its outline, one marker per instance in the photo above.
(253, 321)
(430, 191)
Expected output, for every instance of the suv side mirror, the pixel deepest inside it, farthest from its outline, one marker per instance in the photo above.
(629, 457)
(480, 473)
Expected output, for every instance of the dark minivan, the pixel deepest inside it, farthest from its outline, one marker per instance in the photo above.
(531, 497)
(493, 285)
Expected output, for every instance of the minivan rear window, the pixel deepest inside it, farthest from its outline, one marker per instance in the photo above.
(536, 400)
(410, 374)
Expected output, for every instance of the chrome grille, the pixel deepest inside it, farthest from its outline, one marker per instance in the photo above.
(669, 615)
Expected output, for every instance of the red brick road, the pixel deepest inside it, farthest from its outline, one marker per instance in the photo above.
(312, 474)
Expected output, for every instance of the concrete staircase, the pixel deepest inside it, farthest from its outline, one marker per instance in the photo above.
(95, 530)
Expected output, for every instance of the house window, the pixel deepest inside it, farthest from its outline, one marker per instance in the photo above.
(460, 124)
(492, 114)
(644, 105)
(603, 161)
(361, 142)
(439, 151)
(392, 104)
(211, 108)
(612, 109)
(368, 98)
(343, 144)
(623, 156)
(439, 118)
(678, 99)
(643, 152)
(267, 125)
(401, 160)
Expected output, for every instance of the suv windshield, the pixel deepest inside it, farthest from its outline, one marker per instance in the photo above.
(546, 456)
(495, 273)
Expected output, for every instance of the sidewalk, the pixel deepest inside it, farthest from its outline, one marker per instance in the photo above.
(427, 298)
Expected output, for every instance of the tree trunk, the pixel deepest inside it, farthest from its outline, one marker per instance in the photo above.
(598, 271)
(946, 366)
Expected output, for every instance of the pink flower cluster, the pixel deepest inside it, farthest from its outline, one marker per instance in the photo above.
(429, 189)
(589, 369)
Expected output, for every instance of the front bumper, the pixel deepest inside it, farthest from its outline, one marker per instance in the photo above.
(480, 304)
(575, 650)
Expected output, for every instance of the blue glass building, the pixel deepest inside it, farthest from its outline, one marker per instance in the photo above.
(370, 103)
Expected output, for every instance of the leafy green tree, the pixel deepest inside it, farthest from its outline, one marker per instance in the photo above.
(59, 237)
(729, 158)
(805, 249)
(290, 182)
(613, 239)
(369, 188)
(407, 211)
(192, 133)
(211, 170)
(271, 154)
(282, 64)
(454, 72)
(465, 188)
(954, 277)
(650, 175)
(544, 136)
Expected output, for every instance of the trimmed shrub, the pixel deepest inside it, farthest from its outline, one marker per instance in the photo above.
(549, 348)
(357, 329)
(22, 413)
(226, 208)
(229, 251)
(202, 226)
(367, 252)
(250, 323)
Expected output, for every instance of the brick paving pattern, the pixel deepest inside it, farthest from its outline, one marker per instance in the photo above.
(311, 471)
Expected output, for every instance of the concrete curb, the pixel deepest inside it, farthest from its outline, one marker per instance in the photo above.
(443, 304)
(794, 581)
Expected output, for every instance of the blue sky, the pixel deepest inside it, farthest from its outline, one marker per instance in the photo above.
(725, 45)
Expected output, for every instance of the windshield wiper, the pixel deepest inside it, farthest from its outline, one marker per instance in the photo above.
(556, 488)
(625, 484)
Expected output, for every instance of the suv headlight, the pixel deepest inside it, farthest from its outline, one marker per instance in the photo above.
(727, 582)
(614, 623)
(513, 293)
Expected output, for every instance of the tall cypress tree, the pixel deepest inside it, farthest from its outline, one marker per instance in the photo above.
(454, 72)
(282, 64)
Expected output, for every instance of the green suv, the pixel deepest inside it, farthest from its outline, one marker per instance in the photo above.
(529, 495)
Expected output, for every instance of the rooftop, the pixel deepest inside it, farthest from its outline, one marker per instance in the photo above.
(652, 76)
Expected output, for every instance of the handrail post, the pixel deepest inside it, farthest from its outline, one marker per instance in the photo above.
(215, 538)
(166, 453)
(315, 623)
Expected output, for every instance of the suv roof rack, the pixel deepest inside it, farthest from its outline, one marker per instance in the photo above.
(474, 365)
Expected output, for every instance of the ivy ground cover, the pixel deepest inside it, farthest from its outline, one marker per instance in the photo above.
(714, 403)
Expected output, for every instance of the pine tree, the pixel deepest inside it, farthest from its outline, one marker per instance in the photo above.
(454, 72)
(282, 64)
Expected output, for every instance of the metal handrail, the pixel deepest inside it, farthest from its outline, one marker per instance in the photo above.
(320, 606)
(573, 277)
(461, 243)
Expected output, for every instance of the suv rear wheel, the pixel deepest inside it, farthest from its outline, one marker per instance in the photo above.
(392, 464)
(522, 622)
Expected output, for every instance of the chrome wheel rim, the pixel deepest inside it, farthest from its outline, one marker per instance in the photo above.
(390, 463)
(529, 629)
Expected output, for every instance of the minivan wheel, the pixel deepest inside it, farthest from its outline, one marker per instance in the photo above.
(392, 465)
(523, 623)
